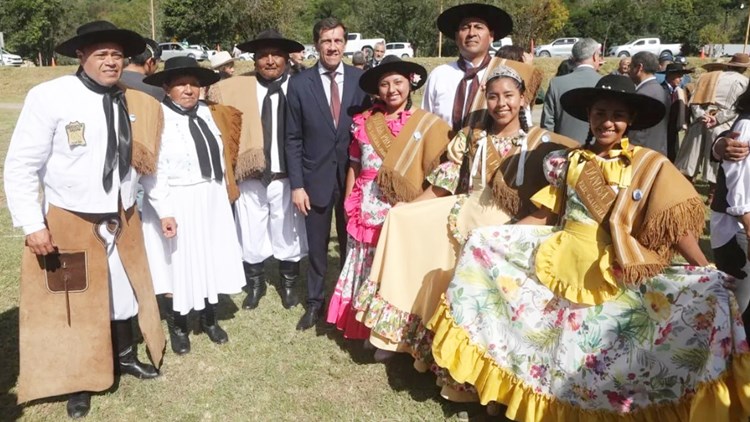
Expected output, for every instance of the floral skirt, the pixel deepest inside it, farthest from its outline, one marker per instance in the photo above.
(355, 272)
(673, 349)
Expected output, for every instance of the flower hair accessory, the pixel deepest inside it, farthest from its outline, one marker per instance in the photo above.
(415, 78)
(505, 72)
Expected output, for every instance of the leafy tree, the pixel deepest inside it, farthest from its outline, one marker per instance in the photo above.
(32, 27)
(199, 21)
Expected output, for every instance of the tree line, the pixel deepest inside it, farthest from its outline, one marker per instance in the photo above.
(33, 27)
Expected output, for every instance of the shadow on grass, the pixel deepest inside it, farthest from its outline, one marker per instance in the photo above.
(9, 410)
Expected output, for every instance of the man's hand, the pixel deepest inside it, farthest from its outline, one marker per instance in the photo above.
(40, 242)
(730, 149)
(169, 227)
(527, 57)
(301, 200)
(709, 120)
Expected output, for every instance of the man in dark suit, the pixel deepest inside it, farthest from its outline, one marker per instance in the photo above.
(320, 104)
(643, 68)
(678, 109)
(587, 56)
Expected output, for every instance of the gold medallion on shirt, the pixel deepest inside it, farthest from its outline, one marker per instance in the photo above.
(75, 134)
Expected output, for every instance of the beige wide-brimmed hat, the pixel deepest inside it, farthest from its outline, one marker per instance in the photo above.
(220, 59)
(739, 60)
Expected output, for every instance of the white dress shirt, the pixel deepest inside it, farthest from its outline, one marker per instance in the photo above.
(178, 159)
(42, 156)
(275, 164)
(440, 89)
(724, 226)
(327, 81)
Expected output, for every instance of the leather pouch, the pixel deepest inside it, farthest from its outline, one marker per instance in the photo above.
(66, 272)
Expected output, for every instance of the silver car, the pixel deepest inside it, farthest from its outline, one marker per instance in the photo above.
(175, 49)
(561, 47)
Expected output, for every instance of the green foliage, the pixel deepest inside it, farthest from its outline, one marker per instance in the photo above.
(32, 26)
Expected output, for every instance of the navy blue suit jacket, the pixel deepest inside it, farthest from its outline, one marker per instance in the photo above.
(317, 152)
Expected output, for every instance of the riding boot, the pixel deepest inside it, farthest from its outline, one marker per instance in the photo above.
(256, 284)
(178, 333)
(126, 351)
(210, 324)
(289, 274)
(79, 404)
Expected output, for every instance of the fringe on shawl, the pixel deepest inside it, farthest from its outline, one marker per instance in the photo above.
(634, 275)
(250, 163)
(396, 188)
(506, 198)
(232, 147)
(663, 230)
(533, 86)
(144, 160)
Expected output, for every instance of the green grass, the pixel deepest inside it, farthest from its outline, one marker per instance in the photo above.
(267, 371)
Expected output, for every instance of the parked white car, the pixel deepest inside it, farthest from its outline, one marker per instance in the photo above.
(246, 57)
(561, 47)
(355, 42)
(8, 59)
(202, 47)
(500, 43)
(310, 52)
(399, 49)
(652, 45)
(175, 49)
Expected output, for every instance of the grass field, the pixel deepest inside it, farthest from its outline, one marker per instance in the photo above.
(268, 371)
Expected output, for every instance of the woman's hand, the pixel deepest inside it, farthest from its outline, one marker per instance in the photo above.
(169, 227)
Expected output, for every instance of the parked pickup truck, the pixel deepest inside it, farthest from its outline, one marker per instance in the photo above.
(355, 42)
(652, 45)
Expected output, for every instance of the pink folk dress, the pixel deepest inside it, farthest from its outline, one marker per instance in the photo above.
(366, 209)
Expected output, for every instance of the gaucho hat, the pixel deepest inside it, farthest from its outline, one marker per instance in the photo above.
(647, 111)
(271, 38)
(739, 60)
(676, 68)
(414, 73)
(182, 66)
(497, 19)
(102, 31)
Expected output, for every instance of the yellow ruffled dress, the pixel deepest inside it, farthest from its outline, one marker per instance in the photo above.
(535, 319)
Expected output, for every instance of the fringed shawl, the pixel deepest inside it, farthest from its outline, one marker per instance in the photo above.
(229, 121)
(651, 215)
(409, 157)
(705, 90)
(146, 123)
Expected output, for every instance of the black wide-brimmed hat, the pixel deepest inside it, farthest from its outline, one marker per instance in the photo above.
(647, 111)
(414, 73)
(497, 19)
(676, 68)
(271, 38)
(182, 66)
(102, 31)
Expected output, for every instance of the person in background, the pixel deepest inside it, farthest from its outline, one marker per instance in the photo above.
(665, 59)
(622, 67)
(378, 53)
(223, 64)
(140, 66)
(295, 61)
(358, 60)
(642, 72)
(678, 111)
(586, 54)
(566, 66)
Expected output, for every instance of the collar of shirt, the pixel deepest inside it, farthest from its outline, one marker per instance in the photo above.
(644, 81)
(322, 70)
(584, 65)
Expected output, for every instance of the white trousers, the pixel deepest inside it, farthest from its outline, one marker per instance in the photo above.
(122, 304)
(268, 224)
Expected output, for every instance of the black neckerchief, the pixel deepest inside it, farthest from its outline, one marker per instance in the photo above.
(266, 118)
(119, 143)
(204, 140)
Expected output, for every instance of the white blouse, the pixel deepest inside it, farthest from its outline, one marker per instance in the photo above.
(178, 160)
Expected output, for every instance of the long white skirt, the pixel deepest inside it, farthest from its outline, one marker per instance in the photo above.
(204, 258)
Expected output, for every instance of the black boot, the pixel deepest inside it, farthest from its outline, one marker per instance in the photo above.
(79, 404)
(178, 333)
(127, 352)
(210, 325)
(289, 274)
(256, 284)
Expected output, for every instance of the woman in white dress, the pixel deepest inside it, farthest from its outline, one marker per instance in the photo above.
(191, 241)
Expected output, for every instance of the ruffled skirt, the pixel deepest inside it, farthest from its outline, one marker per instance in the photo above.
(673, 349)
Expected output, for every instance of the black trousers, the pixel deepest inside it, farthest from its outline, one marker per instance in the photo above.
(318, 226)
